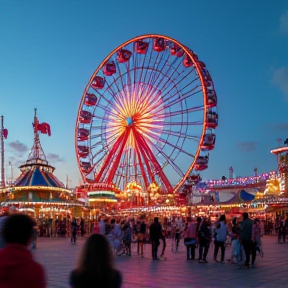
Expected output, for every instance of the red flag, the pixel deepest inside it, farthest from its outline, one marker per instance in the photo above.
(44, 128)
(5, 133)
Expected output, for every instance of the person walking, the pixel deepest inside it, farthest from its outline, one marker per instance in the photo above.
(220, 238)
(155, 235)
(246, 236)
(73, 230)
(18, 269)
(190, 235)
(256, 239)
(95, 267)
(204, 235)
(141, 237)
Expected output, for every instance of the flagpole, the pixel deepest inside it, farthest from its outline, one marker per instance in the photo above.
(2, 153)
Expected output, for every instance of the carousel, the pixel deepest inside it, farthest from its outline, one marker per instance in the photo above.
(39, 193)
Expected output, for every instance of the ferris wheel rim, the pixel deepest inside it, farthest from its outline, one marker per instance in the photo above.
(203, 90)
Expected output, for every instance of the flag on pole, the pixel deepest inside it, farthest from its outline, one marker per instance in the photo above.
(5, 133)
(43, 128)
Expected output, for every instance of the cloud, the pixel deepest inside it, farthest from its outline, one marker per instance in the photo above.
(18, 147)
(284, 22)
(15, 162)
(280, 79)
(280, 127)
(246, 146)
(54, 157)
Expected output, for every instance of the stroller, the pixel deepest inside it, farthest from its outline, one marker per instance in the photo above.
(238, 253)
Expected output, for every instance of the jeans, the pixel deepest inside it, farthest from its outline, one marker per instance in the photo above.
(216, 249)
(155, 245)
(203, 244)
(190, 251)
(247, 245)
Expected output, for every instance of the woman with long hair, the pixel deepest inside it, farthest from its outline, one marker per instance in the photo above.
(95, 267)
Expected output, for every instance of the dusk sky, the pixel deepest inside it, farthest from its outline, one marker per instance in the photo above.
(50, 49)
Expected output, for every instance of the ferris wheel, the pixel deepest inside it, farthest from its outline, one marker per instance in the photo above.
(147, 114)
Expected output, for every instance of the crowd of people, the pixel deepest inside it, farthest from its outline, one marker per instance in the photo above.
(113, 237)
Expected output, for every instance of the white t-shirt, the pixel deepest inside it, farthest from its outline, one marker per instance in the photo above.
(221, 232)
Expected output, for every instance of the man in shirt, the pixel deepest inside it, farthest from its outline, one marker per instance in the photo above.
(155, 234)
(17, 266)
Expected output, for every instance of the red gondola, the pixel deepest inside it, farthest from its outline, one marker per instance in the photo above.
(109, 69)
(85, 165)
(176, 50)
(211, 98)
(85, 117)
(90, 99)
(206, 75)
(201, 163)
(209, 141)
(211, 119)
(83, 134)
(202, 64)
(98, 82)
(123, 55)
(159, 44)
(194, 178)
(83, 151)
(141, 47)
(187, 62)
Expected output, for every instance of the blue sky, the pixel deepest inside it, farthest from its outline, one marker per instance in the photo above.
(49, 50)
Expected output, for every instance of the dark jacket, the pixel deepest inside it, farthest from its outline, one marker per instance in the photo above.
(204, 233)
(246, 230)
(82, 280)
(18, 269)
(155, 231)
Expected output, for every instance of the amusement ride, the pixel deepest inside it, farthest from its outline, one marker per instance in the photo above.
(147, 115)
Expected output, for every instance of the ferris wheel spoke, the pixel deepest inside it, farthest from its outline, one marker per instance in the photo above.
(169, 78)
(157, 75)
(183, 123)
(178, 100)
(169, 160)
(147, 162)
(143, 173)
(183, 111)
(120, 143)
(173, 83)
(143, 63)
(179, 90)
(175, 133)
(153, 160)
(168, 143)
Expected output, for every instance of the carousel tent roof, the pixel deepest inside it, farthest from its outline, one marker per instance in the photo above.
(38, 177)
(240, 197)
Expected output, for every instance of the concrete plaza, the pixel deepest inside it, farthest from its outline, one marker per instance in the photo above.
(59, 257)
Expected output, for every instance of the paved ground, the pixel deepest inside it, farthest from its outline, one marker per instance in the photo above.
(59, 257)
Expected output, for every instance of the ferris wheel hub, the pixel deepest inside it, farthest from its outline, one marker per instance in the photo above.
(129, 121)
